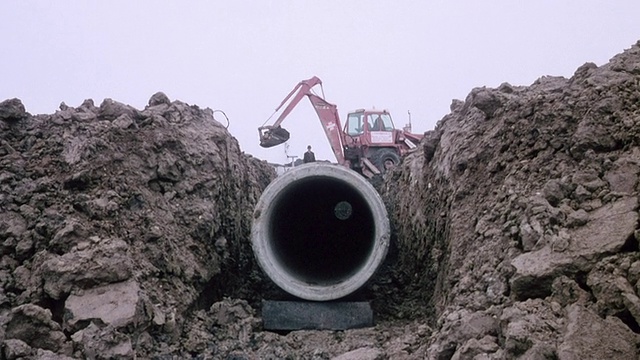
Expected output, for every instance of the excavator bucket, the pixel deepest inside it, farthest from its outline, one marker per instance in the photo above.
(273, 137)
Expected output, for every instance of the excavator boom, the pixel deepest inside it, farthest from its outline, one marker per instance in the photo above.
(273, 135)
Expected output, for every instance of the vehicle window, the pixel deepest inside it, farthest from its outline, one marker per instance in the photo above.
(375, 123)
(386, 121)
(380, 122)
(355, 124)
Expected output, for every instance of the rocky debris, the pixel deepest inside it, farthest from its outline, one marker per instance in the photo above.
(231, 329)
(117, 225)
(124, 233)
(523, 205)
(605, 231)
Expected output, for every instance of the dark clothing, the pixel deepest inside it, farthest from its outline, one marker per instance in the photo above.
(309, 156)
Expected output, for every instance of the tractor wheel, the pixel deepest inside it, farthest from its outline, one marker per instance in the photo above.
(386, 159)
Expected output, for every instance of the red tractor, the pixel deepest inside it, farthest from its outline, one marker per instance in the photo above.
(368, 143)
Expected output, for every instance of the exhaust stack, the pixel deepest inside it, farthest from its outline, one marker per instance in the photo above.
(320, 231)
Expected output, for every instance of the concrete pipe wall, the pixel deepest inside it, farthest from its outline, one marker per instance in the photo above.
(320, 231)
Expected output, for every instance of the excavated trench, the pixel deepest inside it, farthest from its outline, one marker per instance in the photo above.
(518, 188)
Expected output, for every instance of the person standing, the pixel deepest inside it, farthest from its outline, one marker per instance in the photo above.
(309, 156)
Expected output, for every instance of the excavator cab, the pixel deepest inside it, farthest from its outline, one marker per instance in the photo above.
(271, 136)
(371, 127)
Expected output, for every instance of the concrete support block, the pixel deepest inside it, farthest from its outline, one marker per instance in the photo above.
(306, 315)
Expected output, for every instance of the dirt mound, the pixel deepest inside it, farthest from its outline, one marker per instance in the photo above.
(517, 226)
(125, 233)
(116, 224)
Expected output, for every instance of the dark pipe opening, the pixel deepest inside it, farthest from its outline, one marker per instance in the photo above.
(321, 229)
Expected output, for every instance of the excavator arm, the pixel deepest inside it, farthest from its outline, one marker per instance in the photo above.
(272, 135)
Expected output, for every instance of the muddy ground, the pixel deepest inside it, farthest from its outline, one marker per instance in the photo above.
(124, 233)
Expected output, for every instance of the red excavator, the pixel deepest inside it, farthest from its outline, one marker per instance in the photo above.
(368, 143)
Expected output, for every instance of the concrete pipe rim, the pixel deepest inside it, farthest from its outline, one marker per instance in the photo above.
(279, 274)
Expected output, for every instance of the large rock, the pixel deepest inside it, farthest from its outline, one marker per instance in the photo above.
(92, 263)
(365, 353)
(98, 343)
(118, 305)
(487, 347)
(41, 354)
(531, 326)
(12, 227)
(111, 110)
(12, 110)
(159, 98)
(623, 176)
(13, 349)
(588, 336)
(609, 287)
(34, 325)
(607, 231)
(460, 327)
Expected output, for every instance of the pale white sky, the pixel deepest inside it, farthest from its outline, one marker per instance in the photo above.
(244, 56)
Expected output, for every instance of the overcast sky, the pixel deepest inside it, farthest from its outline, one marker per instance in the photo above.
(243, 57)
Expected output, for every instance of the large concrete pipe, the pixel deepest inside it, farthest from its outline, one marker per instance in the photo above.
(320, 231)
